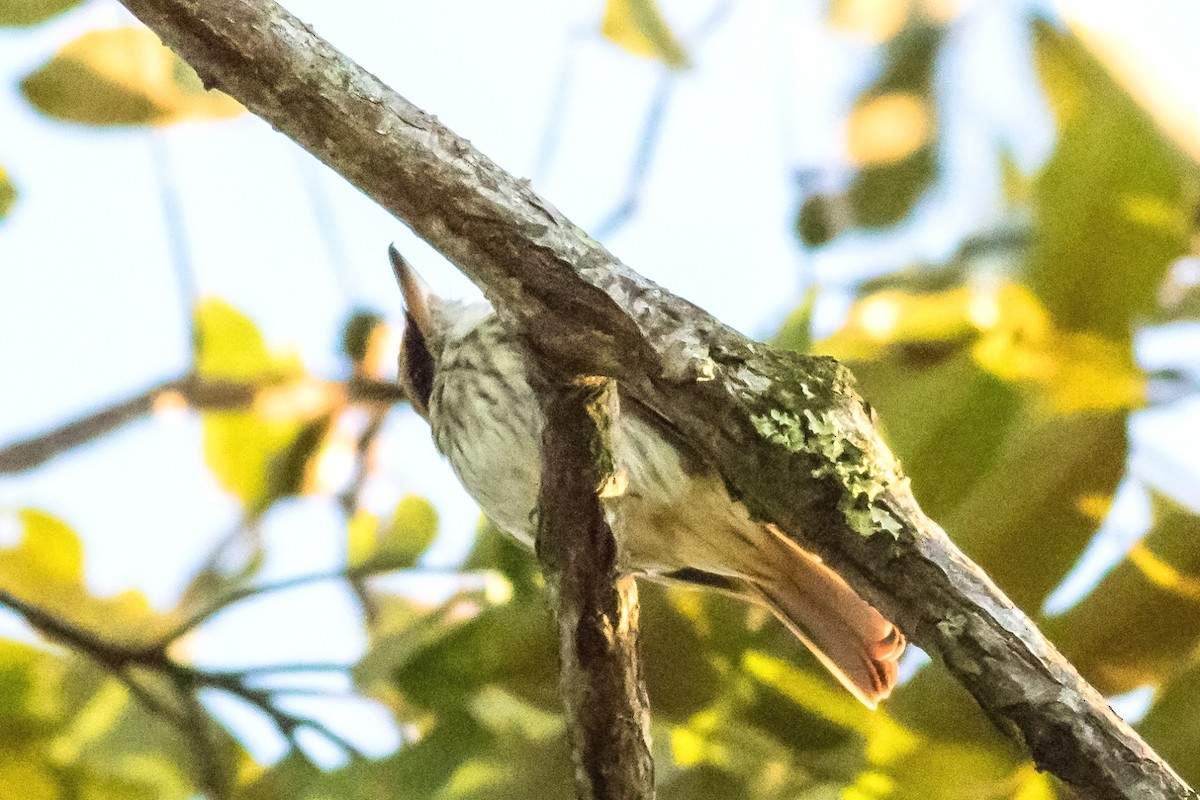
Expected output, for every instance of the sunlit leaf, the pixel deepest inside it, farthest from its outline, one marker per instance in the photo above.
(414, 526)
(878, 20)
(1004, 428)
(261, 454)
(230, 346)
(888, 128)
(813, 694)
(1112, 208)
(45, 572)
(21, 13)
(122, 76)
(891, 130)
(8, 193)
(22, 778)
(638, 27)
(1139, 623)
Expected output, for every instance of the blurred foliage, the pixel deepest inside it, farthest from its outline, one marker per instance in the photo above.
(21, 13)
(259, 454)
(122, 76)
(639, 28)
(1005, 379)
(8, 193)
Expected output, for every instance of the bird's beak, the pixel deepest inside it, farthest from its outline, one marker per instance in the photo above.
(416, 292)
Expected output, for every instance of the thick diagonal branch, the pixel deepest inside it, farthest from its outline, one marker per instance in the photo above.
(790, 435)
(597, 608)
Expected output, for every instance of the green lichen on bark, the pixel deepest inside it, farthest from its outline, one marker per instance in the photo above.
(860, 463)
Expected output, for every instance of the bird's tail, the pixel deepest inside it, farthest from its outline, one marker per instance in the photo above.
(858, 645)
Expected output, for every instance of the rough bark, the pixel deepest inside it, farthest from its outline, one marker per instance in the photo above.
(790, 434)
(604, 691)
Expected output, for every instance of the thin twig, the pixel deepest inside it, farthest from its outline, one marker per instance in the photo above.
(326, 227)
(175, 226)
(643, 157)
(199, 393)
(237, 595)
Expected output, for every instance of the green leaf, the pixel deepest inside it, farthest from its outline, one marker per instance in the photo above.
(23, 13)
(821, 219)
(1172, 726)
(1139, 623)
(1113, 206)
(448, 671)
(796, 332)
(414, 527)
(23, 778)
(68, 729)
(638, 27)
(8, 193)
(358, 334)
(29, 707)
(496, 550)
(398, 546)
(122, 76)
(884, 195)
(681, 674)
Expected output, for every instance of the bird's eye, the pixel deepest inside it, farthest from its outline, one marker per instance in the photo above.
(417, 365)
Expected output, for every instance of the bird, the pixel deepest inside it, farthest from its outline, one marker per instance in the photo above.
(462, 368)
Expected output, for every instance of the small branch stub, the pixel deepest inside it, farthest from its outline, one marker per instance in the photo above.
(608, 713)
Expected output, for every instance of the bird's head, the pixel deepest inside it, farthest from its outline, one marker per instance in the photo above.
(432, 327)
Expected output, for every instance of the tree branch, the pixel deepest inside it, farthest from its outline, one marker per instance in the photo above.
(603, 687)
(199, 393)
(120, 660)
(790, 434)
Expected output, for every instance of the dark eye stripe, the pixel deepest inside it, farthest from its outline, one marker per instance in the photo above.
(418, 364)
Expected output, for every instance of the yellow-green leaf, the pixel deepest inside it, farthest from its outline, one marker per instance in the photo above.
(22, 778)
(8, 193)
(1112, 207)
(45, 571)
(1140, 622)
(362, 538)
(243, 448)
(638, 27)
(230, 346)
(985, 400)
(22, 13)
(398, 546)
(122, 76)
